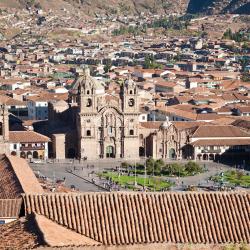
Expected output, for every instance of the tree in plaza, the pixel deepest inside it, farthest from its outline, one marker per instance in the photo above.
(193, 167)
(174, 169)
(159, 164)
(150, 165)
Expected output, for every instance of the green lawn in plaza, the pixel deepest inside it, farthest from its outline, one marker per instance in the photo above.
(237, 178)
(152, 183)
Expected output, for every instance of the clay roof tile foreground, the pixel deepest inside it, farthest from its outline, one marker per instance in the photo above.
(16, 178)
(15, 235)
(10, 208)
(10, 187)
(139, 218)
(55, 235)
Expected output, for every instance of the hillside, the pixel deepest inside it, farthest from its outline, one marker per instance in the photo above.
(92, 7)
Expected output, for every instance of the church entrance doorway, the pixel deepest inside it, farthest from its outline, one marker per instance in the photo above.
(141, 151)
(110, 152)
(172, 154)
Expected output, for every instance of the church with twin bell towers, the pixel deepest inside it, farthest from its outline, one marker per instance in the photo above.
(107, 124)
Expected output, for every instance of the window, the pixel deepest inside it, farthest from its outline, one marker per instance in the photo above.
(89, 102)
(110, 130)
(131, 132)
(131, 102)
(87, 92)
(88, 121)
(131, 92)
(88, 133)
(15, 146)
(143, 118)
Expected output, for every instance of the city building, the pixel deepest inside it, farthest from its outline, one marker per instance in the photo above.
(28, 144)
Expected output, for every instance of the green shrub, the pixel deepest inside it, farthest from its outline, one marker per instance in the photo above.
(193, 167)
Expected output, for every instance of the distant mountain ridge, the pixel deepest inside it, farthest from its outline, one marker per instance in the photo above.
(91, 7)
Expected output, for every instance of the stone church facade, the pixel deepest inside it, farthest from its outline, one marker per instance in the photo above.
(97, 124)
(107, 124)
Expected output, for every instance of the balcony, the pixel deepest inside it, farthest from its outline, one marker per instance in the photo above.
(31, 148)
(211, 151)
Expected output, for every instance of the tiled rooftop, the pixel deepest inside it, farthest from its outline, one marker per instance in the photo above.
(135, 218)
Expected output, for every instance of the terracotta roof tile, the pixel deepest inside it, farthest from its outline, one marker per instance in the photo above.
(27, 136)
(187, 125)
(219, 131)
(136, 218)
(56, 235)
(25, 175)
(151, 125)
(10, 187)
(227, 142)
(16, 235)
(10, 208)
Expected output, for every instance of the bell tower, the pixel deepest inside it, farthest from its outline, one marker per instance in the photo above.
(129, 94)
(87, 105)
(86, 93)
(131, 112)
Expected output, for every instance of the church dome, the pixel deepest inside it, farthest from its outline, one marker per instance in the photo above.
(85, 80)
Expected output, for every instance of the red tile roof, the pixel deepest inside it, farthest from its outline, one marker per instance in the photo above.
(25, 175)
(27, 136)
(16, 177)
(219, 142)
(10, 208)
(219, 131)
(10, 187)
(135, 218)
(151, 125)
(16, 235)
